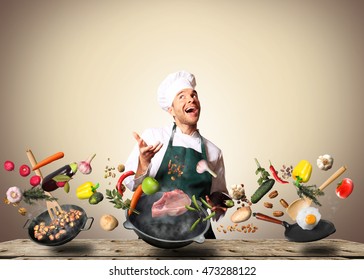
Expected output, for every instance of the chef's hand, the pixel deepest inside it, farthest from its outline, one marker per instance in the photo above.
(219, 210)
(146, 153)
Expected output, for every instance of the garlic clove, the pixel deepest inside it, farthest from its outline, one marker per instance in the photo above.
(84, 166)
(325, 162)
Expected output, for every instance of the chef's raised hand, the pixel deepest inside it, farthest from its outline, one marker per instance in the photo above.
(146, 152)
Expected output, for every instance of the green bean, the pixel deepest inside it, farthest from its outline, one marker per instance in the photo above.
(209, 216)
(195, 202)
(205, 203)
(194, 225)
(190, 208)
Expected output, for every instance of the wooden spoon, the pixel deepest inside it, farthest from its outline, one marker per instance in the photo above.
(202, 166)
(52, 206)
(298, 204)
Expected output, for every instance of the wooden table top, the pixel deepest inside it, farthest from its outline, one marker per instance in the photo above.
(98, 249)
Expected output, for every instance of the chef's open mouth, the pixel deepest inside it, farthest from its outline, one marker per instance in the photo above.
(191, 110)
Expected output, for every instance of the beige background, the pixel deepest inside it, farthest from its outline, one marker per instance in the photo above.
(279, 81)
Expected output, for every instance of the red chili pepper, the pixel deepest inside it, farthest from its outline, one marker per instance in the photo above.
(275, 175)
(119, 185)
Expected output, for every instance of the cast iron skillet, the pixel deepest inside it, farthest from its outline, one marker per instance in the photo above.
(296, 234)
(165, 232)
(71, 232)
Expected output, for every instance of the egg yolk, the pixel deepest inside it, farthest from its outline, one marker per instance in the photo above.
(310, 219)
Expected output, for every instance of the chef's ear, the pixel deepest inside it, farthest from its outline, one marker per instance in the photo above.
(171, 111)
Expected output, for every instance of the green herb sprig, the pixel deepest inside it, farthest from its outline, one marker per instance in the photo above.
(312, 192)
(264, 174)
(117, 199)
(36, 194)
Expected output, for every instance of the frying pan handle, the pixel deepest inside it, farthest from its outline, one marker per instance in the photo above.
(26, 223)
(92, 220)
(263, 217)
(128, 225)
(199, 239)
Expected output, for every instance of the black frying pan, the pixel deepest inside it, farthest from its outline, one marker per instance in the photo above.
(295, 233)
(71, 232)
(165, 232)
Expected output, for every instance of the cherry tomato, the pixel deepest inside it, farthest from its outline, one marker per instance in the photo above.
(344, 188)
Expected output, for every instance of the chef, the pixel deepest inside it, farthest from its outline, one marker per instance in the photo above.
(170, 154)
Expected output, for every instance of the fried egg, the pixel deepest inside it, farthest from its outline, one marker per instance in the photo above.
(308, 218)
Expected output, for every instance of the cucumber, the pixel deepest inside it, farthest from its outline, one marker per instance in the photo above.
(262, 190)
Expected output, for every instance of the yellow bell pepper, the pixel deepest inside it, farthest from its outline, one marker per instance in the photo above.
(85, 190)
(302, 171)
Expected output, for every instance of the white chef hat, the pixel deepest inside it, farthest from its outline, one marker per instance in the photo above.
(172, 85)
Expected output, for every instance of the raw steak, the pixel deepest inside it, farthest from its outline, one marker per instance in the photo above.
(171, 203)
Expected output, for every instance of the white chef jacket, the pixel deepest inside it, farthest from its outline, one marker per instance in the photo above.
(152, 135)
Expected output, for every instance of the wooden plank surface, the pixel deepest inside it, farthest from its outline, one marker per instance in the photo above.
(210, 249)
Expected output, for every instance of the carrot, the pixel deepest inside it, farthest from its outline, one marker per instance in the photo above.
(48, 160)
(135, 198)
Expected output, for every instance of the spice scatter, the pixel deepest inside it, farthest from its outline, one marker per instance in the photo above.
(175, 170)
(110, 170)
(249, 228)
(286, 171)
(22, 211)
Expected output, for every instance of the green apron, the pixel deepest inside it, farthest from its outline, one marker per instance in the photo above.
(178, 171)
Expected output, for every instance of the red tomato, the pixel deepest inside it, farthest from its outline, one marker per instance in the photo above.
(344, 188)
